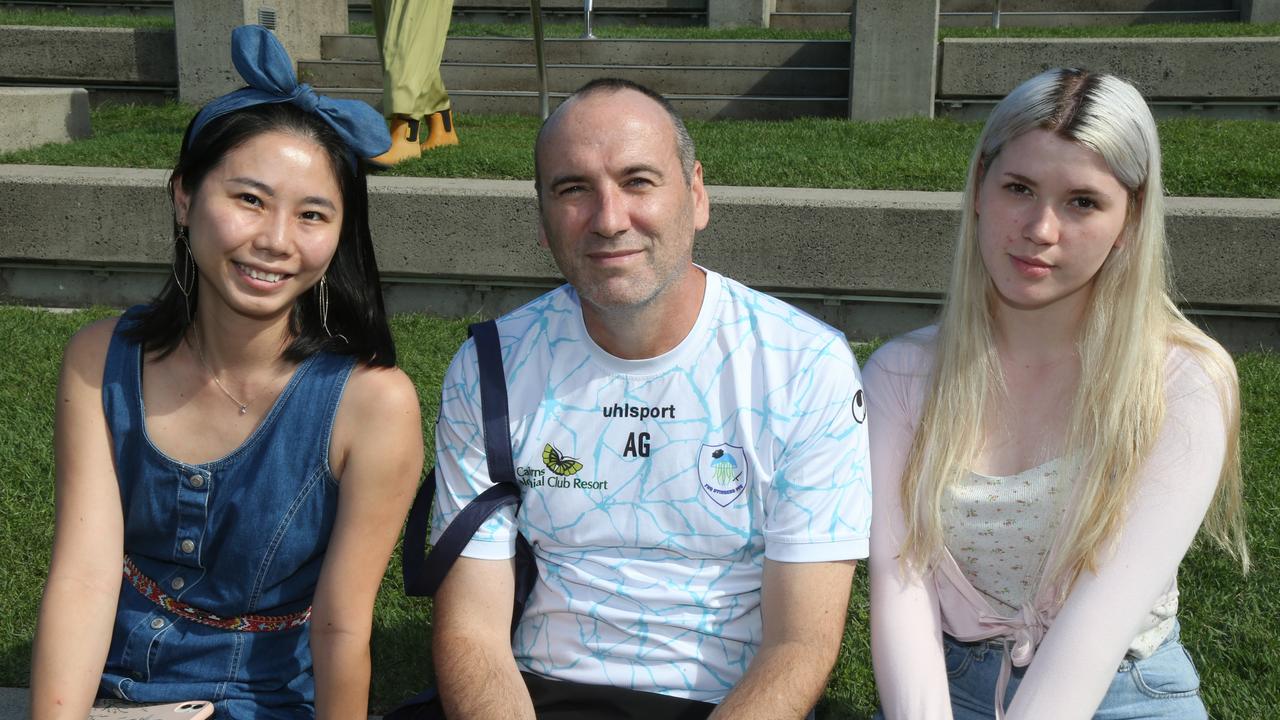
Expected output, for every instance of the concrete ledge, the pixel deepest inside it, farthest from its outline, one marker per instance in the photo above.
(818, 242)
(30, 117)
(102, 55)
(1192, 68)
(728, 82)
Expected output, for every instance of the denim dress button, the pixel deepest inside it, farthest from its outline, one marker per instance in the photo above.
(196, 481)
(177, 583)
(157, 623)
(187, 546)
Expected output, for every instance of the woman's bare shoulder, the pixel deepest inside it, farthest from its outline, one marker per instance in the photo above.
(375, 391)
(86, 351)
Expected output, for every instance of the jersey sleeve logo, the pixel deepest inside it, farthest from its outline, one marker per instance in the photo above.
(558, 463)
(723, 472)
(859, 408)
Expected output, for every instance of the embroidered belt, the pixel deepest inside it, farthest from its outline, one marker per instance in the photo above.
(241, 623)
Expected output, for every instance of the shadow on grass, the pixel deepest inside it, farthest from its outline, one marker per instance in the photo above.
(15, 663)
(828, 710)
(401, 651)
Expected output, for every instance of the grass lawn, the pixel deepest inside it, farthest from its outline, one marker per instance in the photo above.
(1228, 621)
(67, 18)
(693, 32)
(813, 152)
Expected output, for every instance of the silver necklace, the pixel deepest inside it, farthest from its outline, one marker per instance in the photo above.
(244, 407)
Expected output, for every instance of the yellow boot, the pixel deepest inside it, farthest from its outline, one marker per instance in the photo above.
(440, 130)
(404, 142)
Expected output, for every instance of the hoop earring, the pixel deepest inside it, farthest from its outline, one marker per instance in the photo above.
(322, 299)
(188, 271)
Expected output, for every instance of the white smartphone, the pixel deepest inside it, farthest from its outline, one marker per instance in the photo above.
(117, 710)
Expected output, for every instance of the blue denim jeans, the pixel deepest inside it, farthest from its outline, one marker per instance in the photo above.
(1164, 686)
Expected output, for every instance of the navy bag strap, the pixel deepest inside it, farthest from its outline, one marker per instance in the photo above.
(423, 576)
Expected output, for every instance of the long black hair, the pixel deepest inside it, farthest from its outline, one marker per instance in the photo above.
(357, 320)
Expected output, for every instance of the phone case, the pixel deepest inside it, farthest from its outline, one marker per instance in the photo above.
(116, 710)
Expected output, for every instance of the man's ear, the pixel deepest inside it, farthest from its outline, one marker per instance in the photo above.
(701, 203)
(542, 232)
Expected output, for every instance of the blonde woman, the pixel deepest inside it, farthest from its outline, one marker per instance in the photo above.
(1046, 454)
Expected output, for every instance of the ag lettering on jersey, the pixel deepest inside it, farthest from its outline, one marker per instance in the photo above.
(637, 445)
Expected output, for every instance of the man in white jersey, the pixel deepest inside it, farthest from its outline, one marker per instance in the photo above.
(692, 456)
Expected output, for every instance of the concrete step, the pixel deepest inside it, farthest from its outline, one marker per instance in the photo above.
(754, 53)
(96, 7)
(31, 116)
(1083, 5)
(1037, 18)
(599, 18)
(92, 235)
(100, 94)
(606, 12)
(1192, 70)
(112, 56)
(706, 107)
(809, 20)
(637, 6)
(767, 79)
(785, 82)
(812, 6)
(125, 7)
(834, 14)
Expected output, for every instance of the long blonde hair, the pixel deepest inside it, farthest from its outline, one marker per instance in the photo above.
(1129, 326)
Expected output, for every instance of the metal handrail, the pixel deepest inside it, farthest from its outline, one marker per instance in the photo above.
(586, 20)
(544, 99)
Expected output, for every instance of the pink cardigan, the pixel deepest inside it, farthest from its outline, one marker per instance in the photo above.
(1077, 646)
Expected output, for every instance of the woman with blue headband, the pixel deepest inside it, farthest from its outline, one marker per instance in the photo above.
(245, 442)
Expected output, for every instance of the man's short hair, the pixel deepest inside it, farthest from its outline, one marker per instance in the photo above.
(684, 142)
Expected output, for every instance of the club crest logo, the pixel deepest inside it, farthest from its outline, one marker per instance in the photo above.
(723, 472)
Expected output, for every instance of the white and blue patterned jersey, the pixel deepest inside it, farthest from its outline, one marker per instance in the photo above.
(654, 489)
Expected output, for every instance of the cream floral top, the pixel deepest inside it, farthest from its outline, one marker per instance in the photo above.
(1000, 530)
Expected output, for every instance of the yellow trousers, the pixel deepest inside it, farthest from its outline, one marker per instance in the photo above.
(411, 35)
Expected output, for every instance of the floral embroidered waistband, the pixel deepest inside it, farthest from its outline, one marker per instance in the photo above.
(149, 589)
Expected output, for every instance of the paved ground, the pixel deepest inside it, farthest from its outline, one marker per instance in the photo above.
(13, 704)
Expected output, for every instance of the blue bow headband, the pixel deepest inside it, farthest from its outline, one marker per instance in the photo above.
(263, 63)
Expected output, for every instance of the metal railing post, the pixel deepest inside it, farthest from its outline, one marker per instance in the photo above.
(995, 15)
(586, 20)
(544, 100)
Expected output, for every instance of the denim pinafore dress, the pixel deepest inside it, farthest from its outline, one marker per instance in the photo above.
(239, 538)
